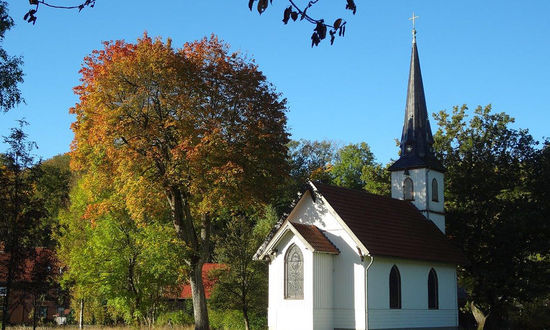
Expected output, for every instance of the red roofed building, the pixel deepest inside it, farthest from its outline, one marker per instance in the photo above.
(207, 279)
(182, 298)
(348, 259)
(34, 284)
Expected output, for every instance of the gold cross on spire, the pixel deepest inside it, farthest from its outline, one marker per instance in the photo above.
(413, 18)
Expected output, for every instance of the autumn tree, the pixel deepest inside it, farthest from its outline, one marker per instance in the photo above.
(496, 210)
(190, 130)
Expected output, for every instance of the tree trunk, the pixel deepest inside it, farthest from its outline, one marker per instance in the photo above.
(5, 308)
(199, 298)
(185, 229)
(244, 297)
(81, 316)
(34, 313)
(479, 316)
(246, 322)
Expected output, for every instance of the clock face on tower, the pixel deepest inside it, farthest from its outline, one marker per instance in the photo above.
(409, 148)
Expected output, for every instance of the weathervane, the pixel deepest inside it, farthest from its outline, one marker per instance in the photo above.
(413, 18)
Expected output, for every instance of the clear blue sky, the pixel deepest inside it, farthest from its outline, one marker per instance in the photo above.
(471, 52)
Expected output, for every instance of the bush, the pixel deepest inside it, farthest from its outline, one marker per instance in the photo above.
(175, 318)
(233, 319)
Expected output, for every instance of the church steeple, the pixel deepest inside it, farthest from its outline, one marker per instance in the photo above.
(417, 176)
(416, 138)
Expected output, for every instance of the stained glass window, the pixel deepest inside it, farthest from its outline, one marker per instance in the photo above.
(395, 288)
(433, 299)
(294, 273)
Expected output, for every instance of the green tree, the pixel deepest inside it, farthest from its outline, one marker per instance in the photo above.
(53, 188)
(243, 283)
(22, 211)
(495, 209)
(352, 166)
(188, 131)
(376, 178)
(131, 266)
(11, 73)
(347, 170)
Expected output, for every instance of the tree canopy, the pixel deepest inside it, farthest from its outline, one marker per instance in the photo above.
(11, 73)
(496, 209)
(184, 131)
(114, 263)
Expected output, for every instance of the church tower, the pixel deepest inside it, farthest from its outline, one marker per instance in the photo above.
(417, 175)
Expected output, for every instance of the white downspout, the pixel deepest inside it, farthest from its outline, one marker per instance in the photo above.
(366, 291)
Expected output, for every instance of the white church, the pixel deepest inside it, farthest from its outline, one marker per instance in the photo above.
(348, 259)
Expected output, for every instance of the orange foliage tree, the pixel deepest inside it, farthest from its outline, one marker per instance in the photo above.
(191, 130)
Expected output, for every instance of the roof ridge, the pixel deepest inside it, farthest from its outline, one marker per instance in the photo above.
(361, 191)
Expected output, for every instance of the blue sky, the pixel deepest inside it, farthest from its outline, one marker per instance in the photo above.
(471, 52)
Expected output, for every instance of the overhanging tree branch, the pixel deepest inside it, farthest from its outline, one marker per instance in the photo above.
(291, 12)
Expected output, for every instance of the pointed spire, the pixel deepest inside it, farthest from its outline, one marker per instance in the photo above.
(416, 138)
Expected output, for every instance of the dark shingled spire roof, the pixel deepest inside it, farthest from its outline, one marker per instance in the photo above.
(416, 139)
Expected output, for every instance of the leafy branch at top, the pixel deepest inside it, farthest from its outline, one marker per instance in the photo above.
(320, 31)
(30, 16)
(293, 11)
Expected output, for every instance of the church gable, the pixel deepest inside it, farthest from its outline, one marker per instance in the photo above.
(310, 236)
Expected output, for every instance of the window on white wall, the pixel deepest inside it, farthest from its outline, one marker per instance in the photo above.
(433, 294)
(408, 189)
(435, 191)
(294, 273)
(395, 288)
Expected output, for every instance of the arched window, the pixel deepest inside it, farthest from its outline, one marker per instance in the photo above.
(408, 189)
(435, 191)
(294, 273)
(395, 288)
(433, 295)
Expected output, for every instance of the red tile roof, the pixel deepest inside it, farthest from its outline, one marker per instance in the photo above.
(390, 227)
(207, 281)
(316, 238)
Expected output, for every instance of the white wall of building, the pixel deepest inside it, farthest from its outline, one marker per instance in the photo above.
(414, 310)
(422, 182)
(290, 313)
(322, 291)
(348, 270)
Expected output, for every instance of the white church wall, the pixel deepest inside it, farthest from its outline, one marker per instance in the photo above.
(348, 300)
(422, 189)
(322, 290)
(414, 310)
(313, 213)
(290, 313)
